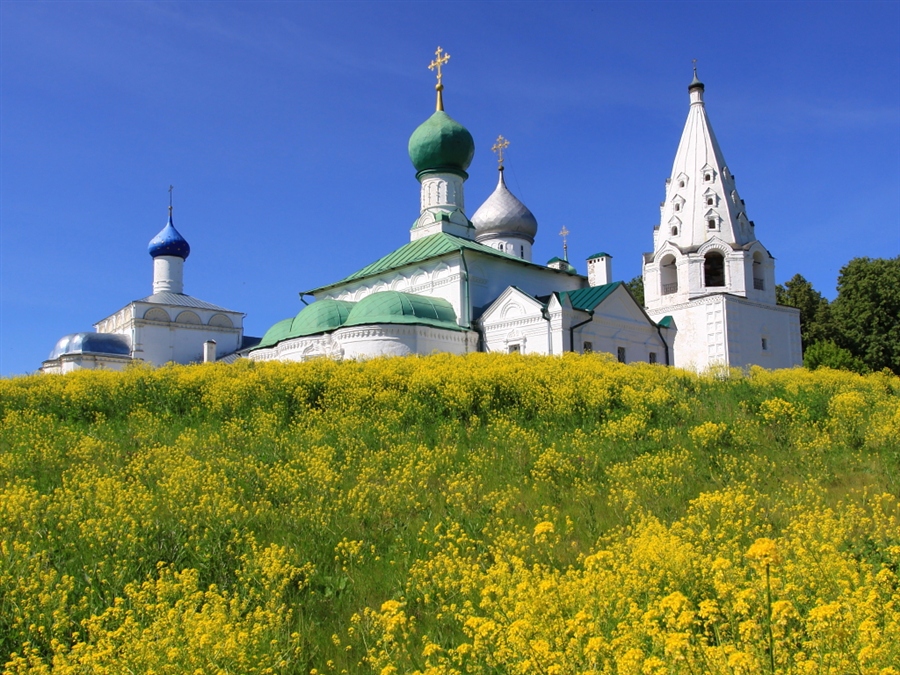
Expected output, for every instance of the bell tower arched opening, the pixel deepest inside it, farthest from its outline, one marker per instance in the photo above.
(714, 269)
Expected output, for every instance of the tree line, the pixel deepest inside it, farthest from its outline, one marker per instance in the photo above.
(858, 331)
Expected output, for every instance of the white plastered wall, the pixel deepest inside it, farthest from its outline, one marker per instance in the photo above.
(728, 330)
(158, 340)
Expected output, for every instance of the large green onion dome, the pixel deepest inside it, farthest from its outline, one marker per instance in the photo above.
(441, 144)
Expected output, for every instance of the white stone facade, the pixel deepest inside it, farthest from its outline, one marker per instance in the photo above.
(162, 332)
(727, 330)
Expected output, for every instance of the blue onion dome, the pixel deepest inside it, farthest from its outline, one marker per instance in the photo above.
(441, 144)
(169, 242)
(91, 343)
(503, 215)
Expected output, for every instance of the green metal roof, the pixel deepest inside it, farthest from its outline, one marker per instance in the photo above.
(320, 317)
(569, 267)
(425, 248)
(665, 322)
(587, 299)
(397, 307)
(276, 333)
(602, 254)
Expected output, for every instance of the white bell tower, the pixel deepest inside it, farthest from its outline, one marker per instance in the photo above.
(705, 253)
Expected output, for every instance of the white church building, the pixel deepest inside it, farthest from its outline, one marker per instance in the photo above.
(462, 285)
(166, 326)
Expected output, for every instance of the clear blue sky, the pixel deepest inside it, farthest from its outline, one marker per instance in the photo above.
(283, 127)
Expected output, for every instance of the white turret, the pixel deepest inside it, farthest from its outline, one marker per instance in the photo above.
(704, 242)
(169, 250)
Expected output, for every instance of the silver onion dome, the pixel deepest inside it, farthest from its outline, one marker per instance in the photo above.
(502, 214)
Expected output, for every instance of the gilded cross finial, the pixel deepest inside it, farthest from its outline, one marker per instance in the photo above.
(499, 147)
(441, 58)
(695, 66)
(171, 187)
(565, 233)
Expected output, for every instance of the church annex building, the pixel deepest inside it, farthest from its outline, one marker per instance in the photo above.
(465, 284)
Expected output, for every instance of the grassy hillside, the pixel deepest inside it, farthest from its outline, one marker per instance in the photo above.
(486, 514)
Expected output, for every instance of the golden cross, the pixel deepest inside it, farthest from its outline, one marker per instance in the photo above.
(499, 147)
(565, 233)
(437, 63)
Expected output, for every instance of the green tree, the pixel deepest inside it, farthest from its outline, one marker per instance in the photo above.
(867, 311)
(826, 354)
(816, 324)
(636, 286)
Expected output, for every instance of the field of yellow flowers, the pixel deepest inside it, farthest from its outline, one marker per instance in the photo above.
(442, 515)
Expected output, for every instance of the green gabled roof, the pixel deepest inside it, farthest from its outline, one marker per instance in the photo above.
(397, 307)
(602, 254)
(425, 248)
(587, 299)
(665, 322)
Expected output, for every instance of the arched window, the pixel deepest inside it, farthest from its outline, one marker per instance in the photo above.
(674, 231)
(668, 275)
(711, 224)
(714, 269)
(678, 207)
(681, 183)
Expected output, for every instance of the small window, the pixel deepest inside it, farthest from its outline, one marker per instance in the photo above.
(711, 224)
(674, 230)
(681, 183)
(678, 207)
(515, 349)
(588, 347)
(709, 201)
(765, 344)
(652, 357)
(522, 251)
(620, 353)
(707, 177)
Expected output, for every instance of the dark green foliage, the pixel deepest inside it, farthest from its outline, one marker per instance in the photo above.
(826, 354)
(636, 286)
(815, 313)
(867, 311)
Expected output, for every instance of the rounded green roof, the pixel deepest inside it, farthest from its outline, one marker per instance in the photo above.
(441, 144)
(397, 307)
(321, 317)
(276, 333)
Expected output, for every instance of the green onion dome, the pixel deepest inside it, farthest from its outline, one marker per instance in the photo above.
(441, 144)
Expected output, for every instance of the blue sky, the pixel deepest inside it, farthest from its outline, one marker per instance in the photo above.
(283, 127)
